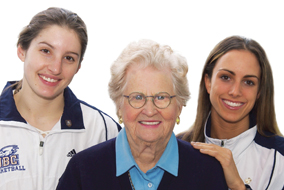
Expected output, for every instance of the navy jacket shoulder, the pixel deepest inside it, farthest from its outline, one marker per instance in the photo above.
(95, 168)
(270, 141)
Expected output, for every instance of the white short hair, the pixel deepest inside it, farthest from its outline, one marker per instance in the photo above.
(149, 53)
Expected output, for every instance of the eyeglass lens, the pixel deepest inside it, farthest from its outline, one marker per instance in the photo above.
(161, 100)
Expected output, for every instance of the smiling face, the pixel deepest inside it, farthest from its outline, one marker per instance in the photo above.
(50, 62)
(149, 124)
(233, 87)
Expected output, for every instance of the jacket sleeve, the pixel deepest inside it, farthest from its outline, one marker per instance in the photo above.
(71, 178)
(248, 187)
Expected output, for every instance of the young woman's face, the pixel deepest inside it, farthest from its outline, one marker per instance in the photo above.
(51, 61)
(233, 87)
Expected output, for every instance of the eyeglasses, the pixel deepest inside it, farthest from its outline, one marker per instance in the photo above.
(160, 100)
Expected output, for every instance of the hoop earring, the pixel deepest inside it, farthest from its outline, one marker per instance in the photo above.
(178, 120)
(120, 120)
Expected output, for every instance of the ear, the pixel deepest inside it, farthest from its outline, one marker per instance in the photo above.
(21, 53)
(258, 95)
(179, 110)
(207, 81)
(79, 67)
(119, 112)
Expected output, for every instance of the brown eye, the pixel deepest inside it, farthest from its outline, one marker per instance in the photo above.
(225, 77)
(69, 58)
(249, 82)
(45, 51)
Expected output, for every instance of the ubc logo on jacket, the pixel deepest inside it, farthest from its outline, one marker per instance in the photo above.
(9, 160)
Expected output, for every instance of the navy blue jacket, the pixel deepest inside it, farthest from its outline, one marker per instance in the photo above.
(95, 168)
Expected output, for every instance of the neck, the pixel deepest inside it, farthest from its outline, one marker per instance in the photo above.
(146, 155)
(222, 129)
(40, 113)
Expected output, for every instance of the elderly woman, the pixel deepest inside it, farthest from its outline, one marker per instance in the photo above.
(149, 87)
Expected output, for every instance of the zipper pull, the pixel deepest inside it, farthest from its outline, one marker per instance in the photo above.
(41, 147)
(222, 143)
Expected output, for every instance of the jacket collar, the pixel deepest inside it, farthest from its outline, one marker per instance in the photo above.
(169, 160)
(72, 117)
(237, 144)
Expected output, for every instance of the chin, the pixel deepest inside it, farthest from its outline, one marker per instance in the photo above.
(233, 119)
(149, 138)
(50, 96)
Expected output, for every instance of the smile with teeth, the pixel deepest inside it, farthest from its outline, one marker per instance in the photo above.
(233, 104)
(48, 79)
(149, 123)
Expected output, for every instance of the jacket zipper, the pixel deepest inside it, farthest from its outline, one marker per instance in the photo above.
(222, 143)
(41, 143)
(41, 163)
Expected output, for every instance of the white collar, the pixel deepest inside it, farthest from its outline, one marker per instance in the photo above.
(237, 144)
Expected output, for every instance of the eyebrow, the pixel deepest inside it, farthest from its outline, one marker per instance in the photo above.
(54, 48)
(246, 76)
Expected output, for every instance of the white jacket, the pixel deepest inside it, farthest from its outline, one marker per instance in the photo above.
(259, 159)
(30, 162)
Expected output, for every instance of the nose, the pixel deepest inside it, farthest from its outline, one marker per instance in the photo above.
(149, 108)
(55, 66)
(236, 90)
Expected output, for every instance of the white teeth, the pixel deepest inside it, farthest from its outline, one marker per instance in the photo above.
(232, 104)
(48, 79)
(150, 123)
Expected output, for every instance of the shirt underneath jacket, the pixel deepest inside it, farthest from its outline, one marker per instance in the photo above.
(151, 179)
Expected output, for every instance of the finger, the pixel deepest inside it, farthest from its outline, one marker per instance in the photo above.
(212, 153)
(224, 156)
(221, 154)
(198, 145)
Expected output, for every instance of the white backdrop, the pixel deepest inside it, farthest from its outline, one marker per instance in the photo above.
(190, 27)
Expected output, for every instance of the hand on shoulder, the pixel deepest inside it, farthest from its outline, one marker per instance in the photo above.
(225, 157)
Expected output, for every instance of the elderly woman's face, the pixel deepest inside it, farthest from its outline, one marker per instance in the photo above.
(149, 123)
